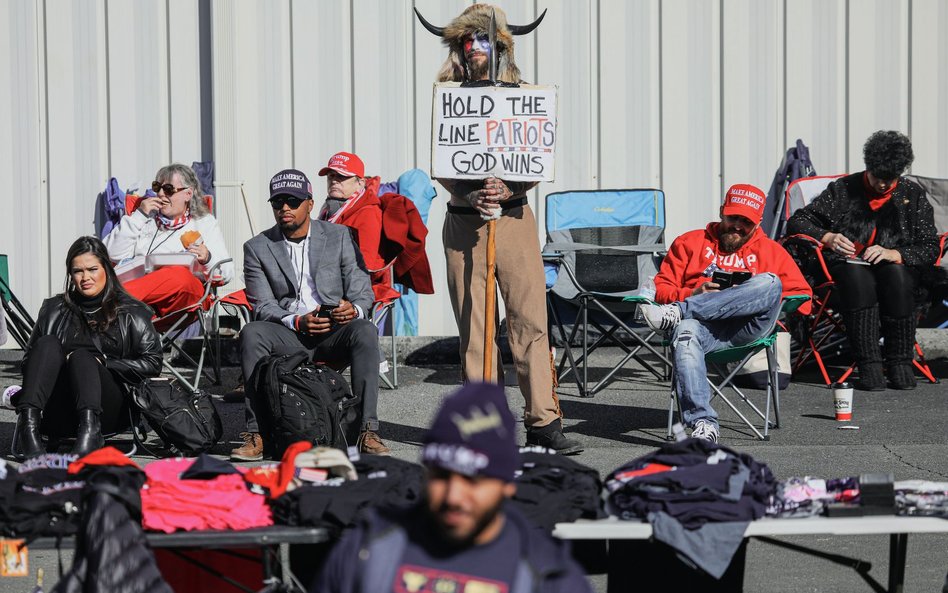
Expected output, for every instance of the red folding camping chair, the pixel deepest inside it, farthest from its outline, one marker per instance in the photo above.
(200, 314)
(821, 334)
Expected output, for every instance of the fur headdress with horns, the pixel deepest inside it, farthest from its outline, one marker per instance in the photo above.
(476, 18)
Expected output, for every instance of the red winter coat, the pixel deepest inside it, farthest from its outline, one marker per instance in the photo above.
(690, 258)
(387, 227)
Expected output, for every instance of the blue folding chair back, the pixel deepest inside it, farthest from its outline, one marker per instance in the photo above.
(602, 246)
(579, 224)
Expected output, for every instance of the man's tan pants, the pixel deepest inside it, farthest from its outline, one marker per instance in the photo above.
(520, 278)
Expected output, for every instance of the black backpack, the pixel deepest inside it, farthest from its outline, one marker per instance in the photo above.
(186, 421)
(303, 401)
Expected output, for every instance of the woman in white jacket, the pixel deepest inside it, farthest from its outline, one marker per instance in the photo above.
(161, 224)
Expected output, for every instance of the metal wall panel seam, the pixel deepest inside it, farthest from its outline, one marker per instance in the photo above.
(352, 77)
(206, 76)
(846, 115)
(661, 102)
(721, 87)
(292, 89)
(908, 102)
(598, 87)
(47, 202)
(108, 91)
(168, 158)
(784, 135)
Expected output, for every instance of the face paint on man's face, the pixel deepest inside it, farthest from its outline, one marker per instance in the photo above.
(477, 42)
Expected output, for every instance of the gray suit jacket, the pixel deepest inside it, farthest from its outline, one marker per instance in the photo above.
(334, 260)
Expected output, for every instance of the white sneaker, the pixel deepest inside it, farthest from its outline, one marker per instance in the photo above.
(705, 431)
(661, 318)
(8, 393)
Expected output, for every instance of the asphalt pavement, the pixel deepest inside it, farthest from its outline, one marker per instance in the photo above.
(903, 433)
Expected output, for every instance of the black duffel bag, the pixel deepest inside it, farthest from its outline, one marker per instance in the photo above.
(303, 401)
(186, 421)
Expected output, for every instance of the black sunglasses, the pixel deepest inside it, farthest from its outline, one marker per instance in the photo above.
(170, 190)
(293, 202)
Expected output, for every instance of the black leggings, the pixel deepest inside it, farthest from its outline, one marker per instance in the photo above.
(61, 387)
(890, 285)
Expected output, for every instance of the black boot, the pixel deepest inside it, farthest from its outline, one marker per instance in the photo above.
(26, 438)
(89, 435)
(899, 345)
(862, 329)
(551, 436)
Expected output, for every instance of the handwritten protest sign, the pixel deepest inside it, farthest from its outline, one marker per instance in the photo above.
(509, 133)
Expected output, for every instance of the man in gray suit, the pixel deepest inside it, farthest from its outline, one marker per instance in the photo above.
(294, 271)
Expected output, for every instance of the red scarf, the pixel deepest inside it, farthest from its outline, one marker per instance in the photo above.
(882, 199)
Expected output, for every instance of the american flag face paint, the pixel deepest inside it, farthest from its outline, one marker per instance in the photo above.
(477, 42)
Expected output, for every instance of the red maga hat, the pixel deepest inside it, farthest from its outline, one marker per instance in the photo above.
(344, 163)
(745, 200)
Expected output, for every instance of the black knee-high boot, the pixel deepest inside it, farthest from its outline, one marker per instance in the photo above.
(862, 329)
(89, 436)
(899, 345)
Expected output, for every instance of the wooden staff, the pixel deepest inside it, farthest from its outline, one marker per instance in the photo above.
(491, 296)
(490, 301)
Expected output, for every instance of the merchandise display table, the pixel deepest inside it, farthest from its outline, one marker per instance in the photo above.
(277, 538)
(898, 529)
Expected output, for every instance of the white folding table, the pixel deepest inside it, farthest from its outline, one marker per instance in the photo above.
(898, 529)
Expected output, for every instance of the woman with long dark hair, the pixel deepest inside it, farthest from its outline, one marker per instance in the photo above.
(88, 344)
(880, 244)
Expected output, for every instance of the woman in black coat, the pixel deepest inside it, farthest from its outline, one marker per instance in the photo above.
(88, 344)
(879, 240)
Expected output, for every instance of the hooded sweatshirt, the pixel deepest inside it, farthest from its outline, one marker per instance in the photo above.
(694, 256)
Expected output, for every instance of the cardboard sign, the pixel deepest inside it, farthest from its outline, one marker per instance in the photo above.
(479, 132)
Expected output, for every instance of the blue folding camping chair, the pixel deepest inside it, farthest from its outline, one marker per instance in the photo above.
(602, 246)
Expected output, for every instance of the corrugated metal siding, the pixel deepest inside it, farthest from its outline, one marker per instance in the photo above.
(687, 95)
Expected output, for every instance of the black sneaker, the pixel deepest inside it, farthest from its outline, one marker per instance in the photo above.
(551, 436)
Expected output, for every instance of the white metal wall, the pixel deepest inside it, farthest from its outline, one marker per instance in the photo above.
(686, 95)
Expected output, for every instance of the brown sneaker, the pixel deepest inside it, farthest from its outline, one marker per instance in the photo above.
(371, 443)
(251, 450)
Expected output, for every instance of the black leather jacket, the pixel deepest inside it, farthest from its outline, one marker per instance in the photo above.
(112, 554)
(136, 352)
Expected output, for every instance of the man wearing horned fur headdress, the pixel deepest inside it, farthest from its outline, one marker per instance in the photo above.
(519, 269)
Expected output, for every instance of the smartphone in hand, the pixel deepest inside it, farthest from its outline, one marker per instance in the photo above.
(325, 311)
(728, 279)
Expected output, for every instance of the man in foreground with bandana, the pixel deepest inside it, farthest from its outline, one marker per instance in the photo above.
(519, 268)
(701, 315)
(463, 536)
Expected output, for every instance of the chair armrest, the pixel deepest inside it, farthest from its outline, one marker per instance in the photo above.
(551, 256)
(792, 302)
(641, 300)
(562, 246)
(817, 247)
(209, 274)
(942, 239)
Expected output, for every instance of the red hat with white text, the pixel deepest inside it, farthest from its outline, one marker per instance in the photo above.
(745, 200)
(344, 163)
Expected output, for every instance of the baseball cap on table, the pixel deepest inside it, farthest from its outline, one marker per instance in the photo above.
(291, 182)
(474, 434)
(344, 163)
(745, 200)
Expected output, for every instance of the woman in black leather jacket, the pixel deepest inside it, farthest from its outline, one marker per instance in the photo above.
(88, 344)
